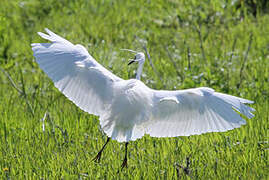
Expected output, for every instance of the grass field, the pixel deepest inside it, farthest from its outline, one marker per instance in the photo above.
(191, 43)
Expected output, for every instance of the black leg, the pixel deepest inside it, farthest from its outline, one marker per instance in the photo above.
(124, 163)
(98, 156)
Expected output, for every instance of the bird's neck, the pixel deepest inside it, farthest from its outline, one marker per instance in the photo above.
(139, 70)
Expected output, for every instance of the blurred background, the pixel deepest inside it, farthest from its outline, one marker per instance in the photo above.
(219, 44)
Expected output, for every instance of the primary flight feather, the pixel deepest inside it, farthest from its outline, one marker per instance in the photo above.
(128, 109)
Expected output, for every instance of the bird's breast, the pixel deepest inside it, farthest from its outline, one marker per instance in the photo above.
(132, 103)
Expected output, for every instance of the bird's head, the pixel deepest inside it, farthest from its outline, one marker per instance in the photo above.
(139, 57)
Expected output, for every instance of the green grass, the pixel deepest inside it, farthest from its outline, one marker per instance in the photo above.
(222, 56)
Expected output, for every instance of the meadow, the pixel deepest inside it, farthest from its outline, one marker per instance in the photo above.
(192, 43)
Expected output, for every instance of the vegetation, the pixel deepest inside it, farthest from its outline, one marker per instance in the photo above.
(191, 43)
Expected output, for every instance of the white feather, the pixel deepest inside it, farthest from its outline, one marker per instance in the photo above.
(128, 109)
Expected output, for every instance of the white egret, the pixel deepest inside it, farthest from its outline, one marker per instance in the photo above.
(128, 109)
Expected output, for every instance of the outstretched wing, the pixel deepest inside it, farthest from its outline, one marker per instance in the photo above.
(195, 111)
(75, 73)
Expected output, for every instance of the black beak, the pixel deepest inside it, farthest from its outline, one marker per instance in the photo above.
(131, 62)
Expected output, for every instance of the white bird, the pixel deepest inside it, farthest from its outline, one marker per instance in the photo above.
(128, 109)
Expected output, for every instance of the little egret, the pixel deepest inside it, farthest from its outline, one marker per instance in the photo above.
(128, 109)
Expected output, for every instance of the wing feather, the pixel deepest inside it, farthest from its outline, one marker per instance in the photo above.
(75, 73)
(199, 111)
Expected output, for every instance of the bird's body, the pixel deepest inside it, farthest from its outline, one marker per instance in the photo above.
(128, 109)
(133, 98)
